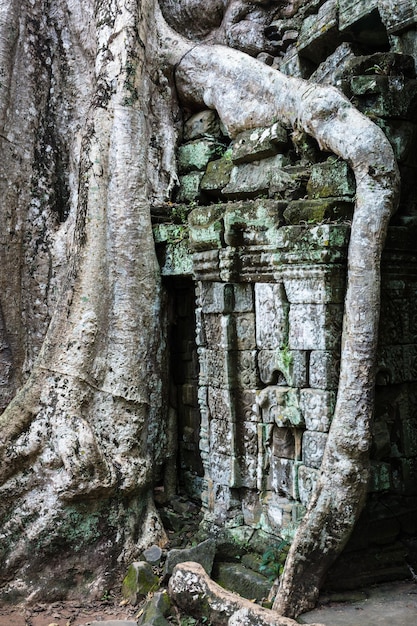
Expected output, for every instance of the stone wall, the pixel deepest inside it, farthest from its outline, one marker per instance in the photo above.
(266, 244)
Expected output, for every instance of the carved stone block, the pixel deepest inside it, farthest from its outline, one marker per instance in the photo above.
(283, 443)
(206, 230)
(307, 480)
(252, 222)
(313, 448)
(218, 330)
(246, 407)
(221, 468)
(280, 405)
(220, 437)
(259, 143)
(216, 177)
(315, 284)
(284, 477)
(221, 404)
(216, 297)
(243, 298)
(215, 368)
(315, 326)
(252, 508)
(398, 16)
(324, 369)
(277, 514)
(206, 264)
(284, 367)
(244, 331)
(246, 368)
(271, 310)
(317, 407)
(249, 454)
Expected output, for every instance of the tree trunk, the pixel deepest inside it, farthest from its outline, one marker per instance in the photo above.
(81, 441)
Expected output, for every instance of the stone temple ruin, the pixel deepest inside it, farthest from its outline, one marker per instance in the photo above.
(253, 255)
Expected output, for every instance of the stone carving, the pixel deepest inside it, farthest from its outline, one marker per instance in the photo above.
(271, 310)
(280, 405)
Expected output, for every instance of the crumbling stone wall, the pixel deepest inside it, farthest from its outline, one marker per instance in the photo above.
(266, 244)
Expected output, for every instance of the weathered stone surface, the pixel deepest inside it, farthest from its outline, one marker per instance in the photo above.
(280, 405)
(189, 190)
(259, 143)
(153, 554)
(314, 284)
(333, 178)
(317, 407)
(155, 610)
(216, 298)
(307, 480)
(238, 578)
(139, 581)
(220, 436)
(271, 311)
(385, 96)
(244, 331)
(203, 554)
(313, 448)
(324, 369)
(402, 136)
(314, 326)
(250, 180)
(286, 443)
(202, 124)
(284, 367)
(350, 11)
(221, 403)
(195, 155)
(319, 31)
(380, 478)
(173, 249)
(196, 594)
(398, 16)
(284, 479)
(317, 211)
(289, 182)
(217, 176)
(252, 222)
(206, 228)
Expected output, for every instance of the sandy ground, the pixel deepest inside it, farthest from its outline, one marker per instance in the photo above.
(390, 604)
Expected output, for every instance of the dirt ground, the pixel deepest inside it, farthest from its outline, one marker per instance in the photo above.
(65, 613)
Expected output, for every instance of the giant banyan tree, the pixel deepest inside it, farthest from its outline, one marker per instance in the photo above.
(91, 96)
